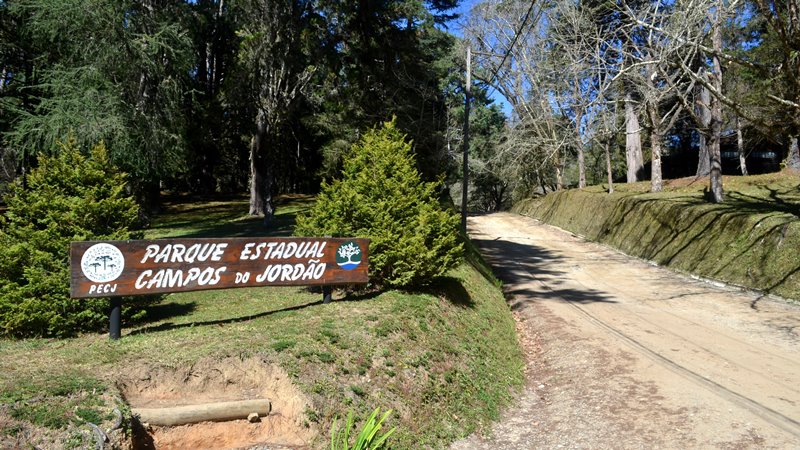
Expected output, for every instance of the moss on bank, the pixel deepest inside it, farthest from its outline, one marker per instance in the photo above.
(752, 240)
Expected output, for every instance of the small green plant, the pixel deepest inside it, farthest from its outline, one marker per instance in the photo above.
(326, 357)
(282, 345)
(311, 415)
(53, 414)
(367, 439)
(382, 197)
(358, 390)
(92, 415)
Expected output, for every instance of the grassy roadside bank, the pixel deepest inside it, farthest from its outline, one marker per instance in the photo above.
(442, 359)
(750, 240)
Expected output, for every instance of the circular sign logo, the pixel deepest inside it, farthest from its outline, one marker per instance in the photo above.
(102, 263)
(348, 255)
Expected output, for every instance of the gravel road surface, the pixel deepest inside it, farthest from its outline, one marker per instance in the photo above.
(625, 354)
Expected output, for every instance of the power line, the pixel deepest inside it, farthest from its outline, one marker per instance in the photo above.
(467, 101)
(510, 47)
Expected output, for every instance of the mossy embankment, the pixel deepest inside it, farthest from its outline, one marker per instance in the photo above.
(751, 240)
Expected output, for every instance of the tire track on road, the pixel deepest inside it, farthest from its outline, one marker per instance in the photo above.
(632, 355)
(776, 418)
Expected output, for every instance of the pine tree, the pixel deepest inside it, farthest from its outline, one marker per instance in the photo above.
(382, 197)
(68, 197)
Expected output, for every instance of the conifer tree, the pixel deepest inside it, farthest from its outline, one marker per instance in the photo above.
(382, 197)
(68, 197)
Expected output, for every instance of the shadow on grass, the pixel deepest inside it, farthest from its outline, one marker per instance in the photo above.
(451, 289)
(168, 326)
(164, 311)
(779, 200)
(474, 257)
(281, 225)
(352, 293)
(659, 244)
(773, 286)
(228, 218)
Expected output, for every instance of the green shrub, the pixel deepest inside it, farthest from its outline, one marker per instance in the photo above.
(68, 197)
(382, 197)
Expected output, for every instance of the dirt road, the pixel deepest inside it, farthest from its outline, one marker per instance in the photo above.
(624, 354)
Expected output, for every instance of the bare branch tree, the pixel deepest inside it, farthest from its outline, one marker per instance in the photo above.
(510, 39)
(553, 76)
(650, 60)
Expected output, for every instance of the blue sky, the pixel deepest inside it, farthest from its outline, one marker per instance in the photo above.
(463, 9)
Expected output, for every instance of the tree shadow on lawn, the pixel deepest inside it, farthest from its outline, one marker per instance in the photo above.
(280, 225)
(230, 219)
(452, 289)
(173, 326)
(164, 311)
(783, 201)
(449, 288)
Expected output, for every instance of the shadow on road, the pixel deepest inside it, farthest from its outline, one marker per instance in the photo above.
(530, 273)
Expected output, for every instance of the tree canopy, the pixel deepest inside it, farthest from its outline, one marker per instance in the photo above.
(686, 74)
(224, 95)
(215, 95)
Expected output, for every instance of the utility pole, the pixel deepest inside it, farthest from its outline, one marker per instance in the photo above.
(467, 101)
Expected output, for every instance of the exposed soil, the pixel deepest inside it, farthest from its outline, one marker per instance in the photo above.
(624, 354)
(210, 381)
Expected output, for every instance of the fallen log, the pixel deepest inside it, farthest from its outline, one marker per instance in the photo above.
(214, 412)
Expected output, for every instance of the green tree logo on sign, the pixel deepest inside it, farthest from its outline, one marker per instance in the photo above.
(348, 255)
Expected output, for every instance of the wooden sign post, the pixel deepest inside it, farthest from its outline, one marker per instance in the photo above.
(124, 268)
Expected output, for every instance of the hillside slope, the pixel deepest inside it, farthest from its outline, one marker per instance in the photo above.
(751, 240)
(445, 359)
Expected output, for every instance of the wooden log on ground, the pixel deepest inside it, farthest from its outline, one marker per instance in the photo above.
(214, 412)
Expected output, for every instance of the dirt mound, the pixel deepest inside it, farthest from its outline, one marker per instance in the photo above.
(215, 380)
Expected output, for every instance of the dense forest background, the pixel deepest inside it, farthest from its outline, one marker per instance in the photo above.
(265, 96)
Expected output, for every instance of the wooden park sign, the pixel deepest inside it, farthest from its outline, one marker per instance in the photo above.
(122, 268)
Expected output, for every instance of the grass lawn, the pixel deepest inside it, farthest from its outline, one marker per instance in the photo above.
(443, 359)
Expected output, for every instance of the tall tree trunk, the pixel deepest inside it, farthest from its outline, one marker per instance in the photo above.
(633, 141)
(541, 182)
(256, 167)
(581, 167)
(740, 146)
(793, 158)
(606, 145)
(579, 141)
(703, 158)
(715, 155)
(559, 171)
(716, 111)
(217, 64)
(656, 143)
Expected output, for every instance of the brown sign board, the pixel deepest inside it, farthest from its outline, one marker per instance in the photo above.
(117, 268)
